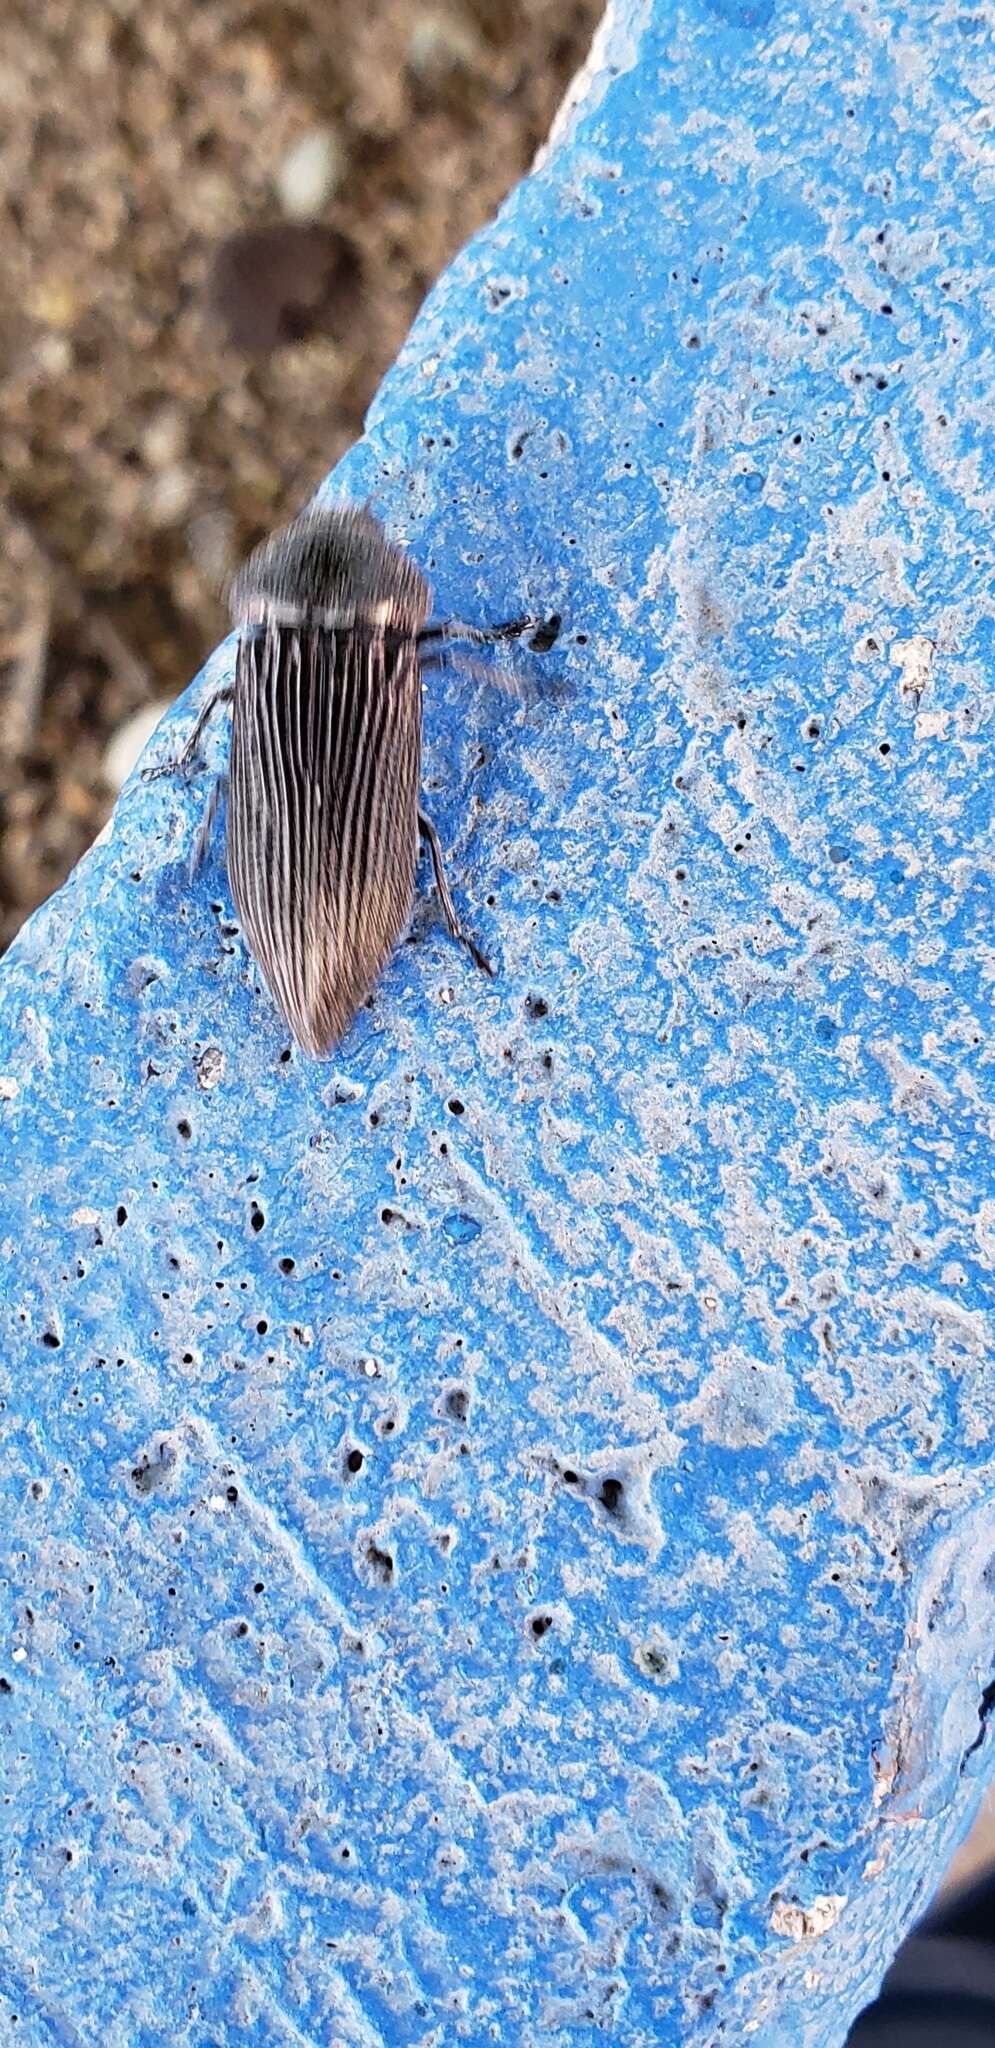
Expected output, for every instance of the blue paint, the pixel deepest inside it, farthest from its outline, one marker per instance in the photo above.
(460, 1229)
(707, 1391)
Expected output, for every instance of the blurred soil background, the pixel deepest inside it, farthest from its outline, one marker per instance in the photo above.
(219, 220)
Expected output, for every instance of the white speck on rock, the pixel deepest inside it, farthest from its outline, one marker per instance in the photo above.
(210, 1065)
(805, 1923)
(914, 660)
(932, 725)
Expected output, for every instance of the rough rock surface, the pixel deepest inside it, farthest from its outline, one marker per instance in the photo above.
(497, 1525)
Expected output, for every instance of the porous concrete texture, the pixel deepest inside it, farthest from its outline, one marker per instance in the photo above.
(498, 1524)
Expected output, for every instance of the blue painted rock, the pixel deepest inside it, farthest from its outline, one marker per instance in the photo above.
(497, 1523)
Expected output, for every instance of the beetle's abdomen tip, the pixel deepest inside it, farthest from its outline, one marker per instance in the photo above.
(318, 1040)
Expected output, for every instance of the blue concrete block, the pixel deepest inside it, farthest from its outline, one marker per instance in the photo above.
(497, 1525)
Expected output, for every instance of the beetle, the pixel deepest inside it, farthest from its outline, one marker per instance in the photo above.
(324, 813)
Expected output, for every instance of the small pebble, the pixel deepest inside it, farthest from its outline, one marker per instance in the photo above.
(164, 440)
(309, 173)
(55, 302)
(169, 495)
(440, 48)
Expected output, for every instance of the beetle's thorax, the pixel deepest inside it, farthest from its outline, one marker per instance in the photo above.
(333, 568)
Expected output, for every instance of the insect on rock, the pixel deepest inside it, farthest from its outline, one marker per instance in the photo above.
(324, 813)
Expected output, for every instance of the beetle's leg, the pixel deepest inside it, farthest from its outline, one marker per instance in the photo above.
(439, 646)
(545, 631)
(428, 831)
(439, 658)
(183, 760)
(527, 688)
(219, 788)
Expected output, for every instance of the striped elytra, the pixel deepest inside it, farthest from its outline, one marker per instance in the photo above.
(323, 803)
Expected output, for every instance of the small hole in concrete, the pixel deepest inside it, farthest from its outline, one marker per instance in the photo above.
(611, 1494)
(381, 1562)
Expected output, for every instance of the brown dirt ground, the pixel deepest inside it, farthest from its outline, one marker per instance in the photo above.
(166, 398)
